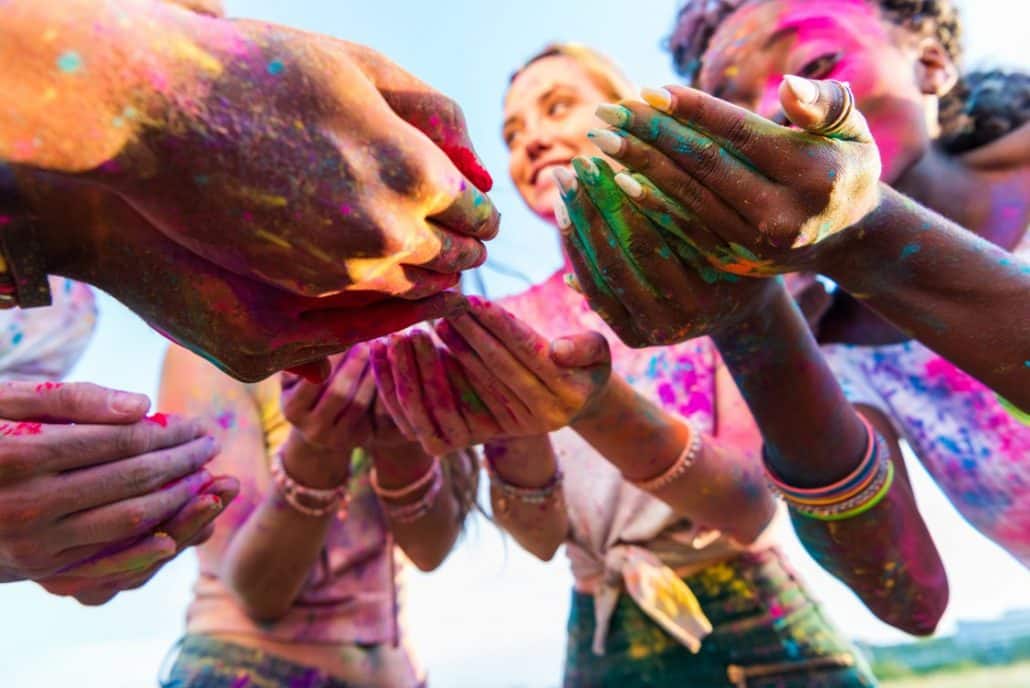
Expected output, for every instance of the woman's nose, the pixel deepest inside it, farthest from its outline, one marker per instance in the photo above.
(537, 147)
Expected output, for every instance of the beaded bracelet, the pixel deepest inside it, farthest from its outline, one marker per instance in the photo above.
(408, 490)
(409, 513)
(318, 502)
(685, 460)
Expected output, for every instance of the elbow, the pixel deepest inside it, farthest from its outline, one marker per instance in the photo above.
(921, 615)
(428, 561)
(544, 551)
(259, 603)
(263, 612)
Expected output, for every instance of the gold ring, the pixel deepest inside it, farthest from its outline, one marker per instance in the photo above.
(847, 105)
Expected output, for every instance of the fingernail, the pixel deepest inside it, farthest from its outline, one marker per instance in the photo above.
(658, 98)
(572, 282)
(803, 89)
(562, 347)
(608, 141)
(566, 181)
(127, 403)
(561, 215)
(615, 115)
(629, 185)
(586, 168)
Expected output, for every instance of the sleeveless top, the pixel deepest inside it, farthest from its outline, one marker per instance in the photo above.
(975, 447)
(621, 537)
(353, 593)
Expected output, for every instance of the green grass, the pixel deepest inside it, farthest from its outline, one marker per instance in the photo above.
(1015, 676)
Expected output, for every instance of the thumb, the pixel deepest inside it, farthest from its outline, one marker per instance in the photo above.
(426, 109)
(585, 350)
(75, 402)
(826, 108)
(211, 8)
(442, 120)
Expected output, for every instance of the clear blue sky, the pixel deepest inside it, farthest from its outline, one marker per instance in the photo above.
(491, 617)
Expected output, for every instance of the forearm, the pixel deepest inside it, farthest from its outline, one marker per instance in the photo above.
(426, 540)
(958, 294)
(270, 557)
(722, 489)
(540, 527)
(813, 438)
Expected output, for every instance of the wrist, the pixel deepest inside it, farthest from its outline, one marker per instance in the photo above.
(847, 255)
(399, 467)
(316, 466)
(524, 462)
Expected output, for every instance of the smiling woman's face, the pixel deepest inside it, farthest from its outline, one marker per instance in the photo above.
(547, 113)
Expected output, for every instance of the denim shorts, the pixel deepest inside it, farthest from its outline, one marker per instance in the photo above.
(767, 633)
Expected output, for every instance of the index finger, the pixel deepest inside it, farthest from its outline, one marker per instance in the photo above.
(742, 133)
(59, 448)
(74, 402)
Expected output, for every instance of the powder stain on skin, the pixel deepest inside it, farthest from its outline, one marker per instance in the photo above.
(69, 62)
(910, 250)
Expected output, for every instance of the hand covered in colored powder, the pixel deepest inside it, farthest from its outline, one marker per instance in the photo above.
(344, 411)
(291, 159)
(94, 497)
(496, 377)
(245, 327)
(635, 265)
(754, 197)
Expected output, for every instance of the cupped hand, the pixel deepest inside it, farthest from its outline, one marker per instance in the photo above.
(245, 327)
(769, 196)
(494, 377)
(99, 579)
(84, 474)
(635, 261)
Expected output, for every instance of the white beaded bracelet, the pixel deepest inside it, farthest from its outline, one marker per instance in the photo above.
(684, 461)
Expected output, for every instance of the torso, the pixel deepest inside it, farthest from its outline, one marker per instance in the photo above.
(343, 620)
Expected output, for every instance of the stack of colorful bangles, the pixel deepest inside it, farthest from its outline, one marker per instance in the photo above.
(852, 496)
(430, 484)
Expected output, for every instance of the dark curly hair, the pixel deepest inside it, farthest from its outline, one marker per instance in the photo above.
(983, 106)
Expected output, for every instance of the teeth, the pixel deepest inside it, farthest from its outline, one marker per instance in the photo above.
(548, 172)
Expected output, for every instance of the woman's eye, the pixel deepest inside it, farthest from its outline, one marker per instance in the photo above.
(557, 109)
(821, 66)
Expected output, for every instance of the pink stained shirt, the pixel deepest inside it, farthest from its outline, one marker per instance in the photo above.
(612, 523)
(354, 592)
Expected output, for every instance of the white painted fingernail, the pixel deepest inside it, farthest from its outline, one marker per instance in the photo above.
(565, 180)
(561, 215)
(658, 98)
(608, 141)
(615, 115)
(629, 185)
(803, 89)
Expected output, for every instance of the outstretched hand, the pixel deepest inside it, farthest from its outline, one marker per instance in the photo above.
(493, 377)
(759, 198)
(636, 265)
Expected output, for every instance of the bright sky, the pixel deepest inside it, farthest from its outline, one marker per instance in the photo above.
(491, 617)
